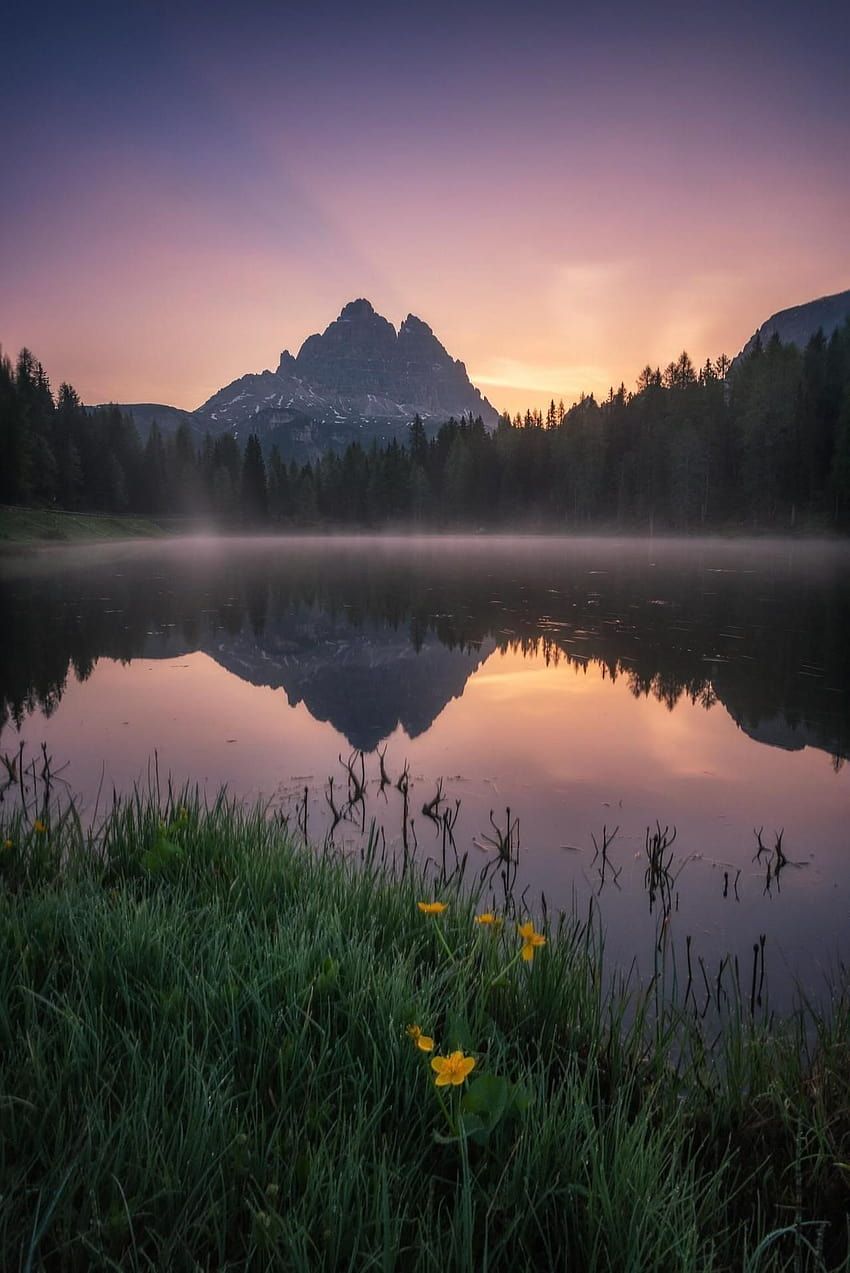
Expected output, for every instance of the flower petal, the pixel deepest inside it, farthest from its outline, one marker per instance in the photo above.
(431, 908)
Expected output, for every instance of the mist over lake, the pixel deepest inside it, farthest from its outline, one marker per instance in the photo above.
(586, 684)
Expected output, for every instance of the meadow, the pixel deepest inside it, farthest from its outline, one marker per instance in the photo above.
(20, 527)
(217, 1048)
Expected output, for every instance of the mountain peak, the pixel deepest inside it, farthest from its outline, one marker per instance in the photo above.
(357, 309)
(358, 379)
(414, 324)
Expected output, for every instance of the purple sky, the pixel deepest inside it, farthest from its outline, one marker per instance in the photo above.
(564, 195)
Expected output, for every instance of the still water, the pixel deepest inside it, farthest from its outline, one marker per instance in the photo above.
(596, 684)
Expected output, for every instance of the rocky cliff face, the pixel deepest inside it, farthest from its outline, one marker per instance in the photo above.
(797, 325)
(358, 372)
(360, 380)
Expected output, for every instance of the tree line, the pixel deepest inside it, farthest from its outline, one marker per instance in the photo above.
(761, 444)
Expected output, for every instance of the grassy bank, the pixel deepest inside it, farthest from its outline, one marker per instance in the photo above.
(22, 526)
(204, 1063)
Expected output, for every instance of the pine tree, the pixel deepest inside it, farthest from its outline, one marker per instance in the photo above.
(154, 495)
(278, 487)
(10, 434)
(254, 491)
(418, 441)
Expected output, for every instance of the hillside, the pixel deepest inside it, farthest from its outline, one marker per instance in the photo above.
(797, 325)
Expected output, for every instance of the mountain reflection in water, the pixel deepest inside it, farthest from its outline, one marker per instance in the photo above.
(372, 635)
(587, 684)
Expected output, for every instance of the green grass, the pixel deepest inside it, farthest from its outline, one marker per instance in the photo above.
(204, 1064)
(37, 525)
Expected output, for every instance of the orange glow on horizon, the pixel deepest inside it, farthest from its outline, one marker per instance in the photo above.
(564, 195)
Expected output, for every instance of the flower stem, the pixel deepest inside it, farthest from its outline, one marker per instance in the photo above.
(500, 976)
(445, 1110)
(467, 1191)
(446, 946)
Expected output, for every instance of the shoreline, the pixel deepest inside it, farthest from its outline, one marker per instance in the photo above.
(25, 527)
(42, 527)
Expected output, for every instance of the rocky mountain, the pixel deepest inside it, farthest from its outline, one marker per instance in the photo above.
(358, 371)
(797, 325)
(359, 379)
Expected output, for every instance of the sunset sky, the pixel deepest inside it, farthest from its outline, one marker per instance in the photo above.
(564, 192)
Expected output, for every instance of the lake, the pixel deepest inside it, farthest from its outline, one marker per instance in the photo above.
(593, 686)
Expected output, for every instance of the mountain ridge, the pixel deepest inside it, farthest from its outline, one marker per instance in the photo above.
(359, 368)
(358, 380)
(361, 380)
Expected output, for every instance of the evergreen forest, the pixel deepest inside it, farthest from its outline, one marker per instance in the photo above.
(761, 444)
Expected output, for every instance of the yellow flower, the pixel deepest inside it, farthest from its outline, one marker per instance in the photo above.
(183, 814)
(8, 844)
(39, 827)
(530, 940)
(488, 918)
(423, 1041)
(452, 1069)
(432, 908)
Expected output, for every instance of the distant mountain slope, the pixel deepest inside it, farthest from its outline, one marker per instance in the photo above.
(359, 380)
(797, 325)
(168, 419)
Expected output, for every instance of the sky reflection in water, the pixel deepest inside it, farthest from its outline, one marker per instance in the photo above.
(583, 683)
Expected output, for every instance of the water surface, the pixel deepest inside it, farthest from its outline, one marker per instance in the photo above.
(587, 684)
